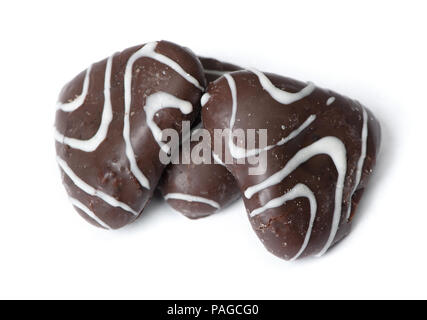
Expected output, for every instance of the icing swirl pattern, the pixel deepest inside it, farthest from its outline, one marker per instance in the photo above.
(110, 175)
(322, 153)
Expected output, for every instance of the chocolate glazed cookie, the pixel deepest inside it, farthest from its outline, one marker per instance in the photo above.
(108, 127)
(321, 149)
(198, 190)
(214, 68)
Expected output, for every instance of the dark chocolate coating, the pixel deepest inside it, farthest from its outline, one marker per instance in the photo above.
(283, 229)
(215, 68)
(107, 169)
(209, 181)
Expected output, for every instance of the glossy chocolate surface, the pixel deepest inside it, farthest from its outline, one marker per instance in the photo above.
(105, 143)
(199, 190)
(214, 68)
(321, 151)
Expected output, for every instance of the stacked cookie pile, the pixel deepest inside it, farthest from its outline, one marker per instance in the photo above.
(111, 131)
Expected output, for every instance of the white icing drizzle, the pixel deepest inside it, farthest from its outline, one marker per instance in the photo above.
(148, 50)
(196, 130)
(190, 198)
(330, 101)
(154, 103)
(300, 190)
(335, 149)
(238, 152)
(233, 90)
(205, 98)
(89, 212)
(361, 159)
(280, 95)
(277, 94)
(142, 179)
(107, 116)
(215, 72)
(158, 101)
(217, 159)
(91, 190)
(79, 100)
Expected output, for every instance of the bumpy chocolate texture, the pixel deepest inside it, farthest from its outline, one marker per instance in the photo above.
(108, 123)
(321, 149)
(199, 190)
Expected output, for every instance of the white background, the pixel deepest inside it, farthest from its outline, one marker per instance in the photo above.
(375, 51)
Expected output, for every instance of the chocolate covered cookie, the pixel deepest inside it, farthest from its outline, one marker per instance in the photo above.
(214, 68)
(319, 151)
(198, 187)
(109, 123)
